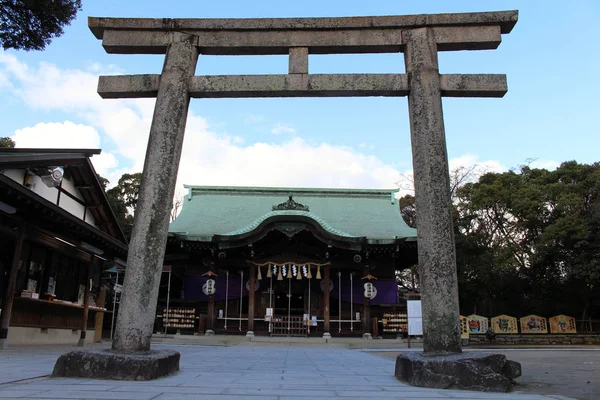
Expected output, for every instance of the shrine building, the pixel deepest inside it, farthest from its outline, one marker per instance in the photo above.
(284, 261)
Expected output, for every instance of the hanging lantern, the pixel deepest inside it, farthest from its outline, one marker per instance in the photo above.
(259, 277)
(318, 272)
(279, 277)
(269, 273)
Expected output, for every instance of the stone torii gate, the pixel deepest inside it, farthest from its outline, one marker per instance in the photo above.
(419, 37)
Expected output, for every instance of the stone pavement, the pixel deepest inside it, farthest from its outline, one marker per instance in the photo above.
(217, 372)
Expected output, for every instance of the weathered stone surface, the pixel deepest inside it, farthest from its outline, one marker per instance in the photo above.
(468, 371)
(149, 238)
(505, 19)
(298, 63)
(109, 364)
(435, 236)
(511, 369)
(315, 85)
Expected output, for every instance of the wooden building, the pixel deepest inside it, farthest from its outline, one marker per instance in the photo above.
(57, 233)
(258, 260)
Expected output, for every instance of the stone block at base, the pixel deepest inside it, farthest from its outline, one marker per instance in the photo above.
(468, 371)
(109, 364)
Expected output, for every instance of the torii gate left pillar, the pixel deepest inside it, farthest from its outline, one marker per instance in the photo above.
(420, 37)
(148, 241)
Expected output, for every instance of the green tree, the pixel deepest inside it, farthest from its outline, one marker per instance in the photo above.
(117, 204)
(408, 210)
(6, 142)
(128, 190)
(123, 198)
(528, 241)
(32, 24)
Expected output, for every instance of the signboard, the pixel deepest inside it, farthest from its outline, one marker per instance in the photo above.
(269, 314)
(562, 324)
(464, 328)
(314, 320)
(504, 324)
(533, 324)
(415, 317)
(477, 324)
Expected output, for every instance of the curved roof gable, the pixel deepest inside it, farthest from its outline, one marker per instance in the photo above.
(229, 211)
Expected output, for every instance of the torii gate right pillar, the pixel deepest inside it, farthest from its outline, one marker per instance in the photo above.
(437, 255)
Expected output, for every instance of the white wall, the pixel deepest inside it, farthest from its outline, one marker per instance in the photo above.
(51, 193)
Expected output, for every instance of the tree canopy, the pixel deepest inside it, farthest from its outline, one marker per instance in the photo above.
(528, 241)
(123, 199)
(6, 142)
(33, 24)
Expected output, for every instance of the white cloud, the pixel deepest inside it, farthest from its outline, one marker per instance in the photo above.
(545, 164)
(208, 158)
(468, 164)
(472, 160)
(212, 160)
(58, 135)
(280, 128)
(68, 135)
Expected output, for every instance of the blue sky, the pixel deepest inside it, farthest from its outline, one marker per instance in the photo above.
(549, 114)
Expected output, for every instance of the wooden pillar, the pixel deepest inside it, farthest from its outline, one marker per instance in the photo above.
(210, 318)
(99, 324)
(367, 316)
(10, 289)
(326, 280)
(251, 287)
(86, 301)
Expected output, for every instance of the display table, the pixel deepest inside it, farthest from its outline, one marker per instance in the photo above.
(38, 313)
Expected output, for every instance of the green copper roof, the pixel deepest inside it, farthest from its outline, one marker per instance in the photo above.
(232, 211)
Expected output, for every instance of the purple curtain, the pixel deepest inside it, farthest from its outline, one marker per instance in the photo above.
(192, 287)
(387, 289)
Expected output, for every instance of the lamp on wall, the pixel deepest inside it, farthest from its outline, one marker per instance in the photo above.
(53, 176)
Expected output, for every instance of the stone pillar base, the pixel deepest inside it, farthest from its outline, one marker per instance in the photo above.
(109, 364)
(81, 343)
(467, 371)
(3, 344)
(250, 334)
(209, 332)
(326, 335)
(367, 336)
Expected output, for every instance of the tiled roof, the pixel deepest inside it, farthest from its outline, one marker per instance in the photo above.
(349, 213)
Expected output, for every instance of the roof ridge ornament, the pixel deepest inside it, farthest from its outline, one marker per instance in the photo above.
(290, 204)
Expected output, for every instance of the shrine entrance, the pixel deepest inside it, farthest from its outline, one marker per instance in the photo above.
(419, 37)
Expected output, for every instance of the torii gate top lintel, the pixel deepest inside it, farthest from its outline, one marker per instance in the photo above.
(299, 37)
(505, 19)
(264, 36)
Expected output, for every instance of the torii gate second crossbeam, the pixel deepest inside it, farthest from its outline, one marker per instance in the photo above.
(419, 37)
